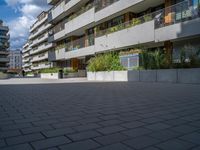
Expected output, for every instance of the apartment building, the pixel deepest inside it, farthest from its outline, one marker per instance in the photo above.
(37, 47)
(15, 61)
(83, 28)
(4, 45)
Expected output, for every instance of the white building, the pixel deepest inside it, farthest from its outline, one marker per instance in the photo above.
(15, 60)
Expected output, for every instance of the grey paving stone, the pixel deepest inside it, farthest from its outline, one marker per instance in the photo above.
(117, 146)
(82, 145)
(110, 129)
(87, 127)
(16, 126)
(36, 129)
(24, 139)
(2, 143)
(137, 132)
(18, 147)
(83, 135)
(133, 124)
(175, 144)
(50, 142)
(141, 142)
(164, 135)
(58, 132)
(193, 138)
(5, 134)
(184, 129)
(157, 126)
(110, 122)
(111, 139)
(65, 124)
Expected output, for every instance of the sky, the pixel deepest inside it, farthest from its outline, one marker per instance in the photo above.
(19, 15)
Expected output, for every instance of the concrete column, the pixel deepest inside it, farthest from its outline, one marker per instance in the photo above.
(168, 51)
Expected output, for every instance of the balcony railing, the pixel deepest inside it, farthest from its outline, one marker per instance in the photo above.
(177, 13)
(101, 4)
(80, 43)
(81, 11)
(180, 12)
(125, 25)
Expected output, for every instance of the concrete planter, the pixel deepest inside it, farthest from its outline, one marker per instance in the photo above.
(148, 75)
(189, 75)
(162, 75)
(4, 76)
(49, 76)
(167, 75)
(71, 75)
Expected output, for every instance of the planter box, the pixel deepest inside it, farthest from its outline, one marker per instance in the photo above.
(162, 75)
(91, 76)
(120, 75)
(189, 75)
(4, 76)
(49, 76)
(167, 75)
(71, 75)
(148, 76)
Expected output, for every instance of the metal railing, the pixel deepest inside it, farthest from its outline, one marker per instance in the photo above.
(101, 4)
(174, 14)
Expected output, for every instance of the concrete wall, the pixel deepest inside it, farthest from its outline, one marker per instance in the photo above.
(57, 54)
(80, 52)
(49, 76)
(127, 37)
(80, 21)
(179, 30)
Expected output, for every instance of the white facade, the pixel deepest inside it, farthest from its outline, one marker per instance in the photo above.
(15, 58)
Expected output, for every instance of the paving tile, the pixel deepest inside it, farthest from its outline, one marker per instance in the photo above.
(83, 135)
(117, 146)
(36, 129)
(141, 142)
(2, 143)
(110, 122)
(110, 139)
(164, 135)
(175, 144)
(110, 129)
(24, 139)
(87, 127)
(157, 126)
(18, 147)
(5, 134)
(184, 129)
(58, 132)
(193, 138)
(137, 132)
(82, 145)
(133, 124)
(50, 142)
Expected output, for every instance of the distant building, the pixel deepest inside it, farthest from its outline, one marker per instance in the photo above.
(15, 61)
(4, 45)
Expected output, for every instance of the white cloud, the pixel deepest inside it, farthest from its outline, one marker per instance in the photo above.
(19, 27)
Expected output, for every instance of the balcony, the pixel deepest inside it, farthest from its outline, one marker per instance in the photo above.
(57, 54)
(40, 39)
(42, 29)
(57, 32)
(4, 59)
(38, 23)
(56, 11)
(40, 57)
(86, 17)
(41, 48)
(126, 34)
(107, 8)
(80, 47)
(181, 20)
(40, 66)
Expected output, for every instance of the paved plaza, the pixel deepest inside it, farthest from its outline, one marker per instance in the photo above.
(99, 116)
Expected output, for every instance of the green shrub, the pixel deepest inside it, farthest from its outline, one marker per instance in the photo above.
(105, 62)
(50, 70)
(66, 71)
